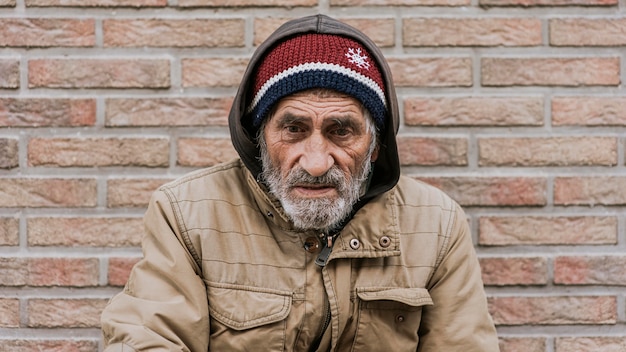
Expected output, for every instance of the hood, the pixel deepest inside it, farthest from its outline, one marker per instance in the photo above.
(386, 171)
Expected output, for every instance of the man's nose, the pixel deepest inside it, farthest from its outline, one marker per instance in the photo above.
(316, 158)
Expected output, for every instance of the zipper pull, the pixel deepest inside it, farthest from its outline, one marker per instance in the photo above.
(322, 258)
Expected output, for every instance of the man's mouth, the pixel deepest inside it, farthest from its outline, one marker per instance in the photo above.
(317, 190)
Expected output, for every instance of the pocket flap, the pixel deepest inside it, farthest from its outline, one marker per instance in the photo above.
(411, 296)
(244, 307)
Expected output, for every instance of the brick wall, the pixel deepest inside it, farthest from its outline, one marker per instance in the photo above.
(516, 108)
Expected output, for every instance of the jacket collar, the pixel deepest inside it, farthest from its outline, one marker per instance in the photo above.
(371, 233)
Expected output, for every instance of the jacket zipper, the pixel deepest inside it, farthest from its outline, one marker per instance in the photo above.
(322, 258)
(321, 261)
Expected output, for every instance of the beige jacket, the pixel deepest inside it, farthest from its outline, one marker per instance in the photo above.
(223, 270)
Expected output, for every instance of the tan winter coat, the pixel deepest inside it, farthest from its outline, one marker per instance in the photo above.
(224, 271)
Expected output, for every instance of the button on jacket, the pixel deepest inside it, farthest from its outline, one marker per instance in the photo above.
(225, 270)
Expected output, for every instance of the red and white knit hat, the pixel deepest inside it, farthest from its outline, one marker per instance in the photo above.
(318, 61)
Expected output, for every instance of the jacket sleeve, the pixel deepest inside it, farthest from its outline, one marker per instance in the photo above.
(459, 319)
(163, 306)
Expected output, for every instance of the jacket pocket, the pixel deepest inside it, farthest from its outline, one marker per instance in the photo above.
(244, 317)
(389, 318)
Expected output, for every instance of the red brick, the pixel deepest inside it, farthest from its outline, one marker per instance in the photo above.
(514, 271)
(474, 111)
(550, 71)
(9, 231)
(431, 72)
(168, 112)
(201, 152)
(432, 151)
(9, 313)
(89, 152)
(47, 32)
(380, 30)
(522, 344)
(47, 192)
(557, 310)
(547, 230)
(548, 151)
(174, 33)
(36, 345)
(400, 3)
(40, 112)
(471, 32)
(213, 72)
(9, 153)
(531, 3)
(587, 32)
(604, 190)
(76, 272)
(589, 111)
(493, 191)
(9, 74)
(119, 270)
(131, 193)
(590, 270)
(7, 3)
(65, 313)
(245, 3)
(98, 73)
(97, 3)
(590, 344)
(85, 232)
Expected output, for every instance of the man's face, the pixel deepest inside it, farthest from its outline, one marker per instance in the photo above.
(316, 155)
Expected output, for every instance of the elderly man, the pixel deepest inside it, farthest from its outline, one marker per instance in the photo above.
(312, 240)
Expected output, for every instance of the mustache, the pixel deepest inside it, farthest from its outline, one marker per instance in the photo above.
(333, 177)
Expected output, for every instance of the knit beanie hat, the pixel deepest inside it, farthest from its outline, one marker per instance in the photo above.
(318, 61)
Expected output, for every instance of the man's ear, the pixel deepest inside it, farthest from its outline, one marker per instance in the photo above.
(375, 153)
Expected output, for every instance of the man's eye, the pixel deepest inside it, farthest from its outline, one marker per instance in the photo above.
(341, 132)
(293, 129)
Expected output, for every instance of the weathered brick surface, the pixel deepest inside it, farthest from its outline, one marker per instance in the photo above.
(8, 153)
(522, 344)
(84, 232)
(39, 32)
(65, 313)
(431, 72)
(46, 192)
(37, 112)
(588, 32)
(143, 152)
(603, 71)
(471, 32)
(124, 193)
(590, 270)
(589, 111)
(493, 191)
(600, 343)
(432, 151)
(473, 111)
(592, 310)
(569, 151)
(99, 73)
(77, 272)
(514, 271)
(213, 72)
(174, 33)
(168, 112)
(605, 190)
(119, 270)
(515, 108)
(9, 73)
(201, 152)
(9, 231)
(547, 230)
(37, 345)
